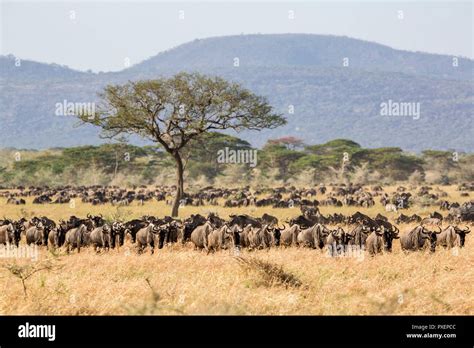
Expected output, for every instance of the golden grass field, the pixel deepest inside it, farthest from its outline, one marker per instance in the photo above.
(180, 280)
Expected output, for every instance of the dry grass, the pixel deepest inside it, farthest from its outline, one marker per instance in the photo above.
(268, 273)
(184, 281)
(280, 281)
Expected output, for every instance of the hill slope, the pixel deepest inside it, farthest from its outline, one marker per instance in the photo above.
(301, 50)
(306, 71)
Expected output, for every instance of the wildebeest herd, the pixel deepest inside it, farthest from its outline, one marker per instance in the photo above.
(336, 195)
(336, 233)
(312, 229)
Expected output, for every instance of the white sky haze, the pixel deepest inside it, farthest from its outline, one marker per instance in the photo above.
(99, 36)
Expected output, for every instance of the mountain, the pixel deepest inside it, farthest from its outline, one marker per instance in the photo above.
(300, 50)
(300, 71)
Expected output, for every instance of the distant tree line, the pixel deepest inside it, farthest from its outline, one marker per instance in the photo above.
(284, 160)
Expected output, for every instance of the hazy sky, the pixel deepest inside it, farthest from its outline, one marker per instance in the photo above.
(100, 36)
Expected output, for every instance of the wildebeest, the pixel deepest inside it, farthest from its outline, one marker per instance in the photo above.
(374, 242)
(75, 222)
(244, 220)
(200, 236)
(37, 235)
(269, 219)
(190, 225)
(221, 238)
(379, 238)
(436, 215)
(42, 199)
(308, 210)
(416, 239)
(360, 218)
(381, 217)
(337, 241)
(10, 231)
(358, 236)
(303, 221)
(313, 237)
(215, 220)
(390, 232)
(4, 222)
(244, 236)
(132, 227)
(47, 223)
(261, 238)
(39, 230)
(148, 236)
(452, 237)
(7, 234)
(101, 237)
(76, 238)
(408, 219)
(289, 235)
(15, 201)
(56, 237)
(170, 232)
(117, 234)
(97, 220)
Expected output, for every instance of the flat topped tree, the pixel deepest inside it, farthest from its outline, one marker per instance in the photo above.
(174, 111)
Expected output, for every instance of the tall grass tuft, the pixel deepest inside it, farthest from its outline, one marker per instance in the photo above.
(270, 273)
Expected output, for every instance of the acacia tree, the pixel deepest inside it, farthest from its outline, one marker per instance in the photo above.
(175, 111)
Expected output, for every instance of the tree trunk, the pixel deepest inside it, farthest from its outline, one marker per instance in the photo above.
(116, 164)
(180, 183)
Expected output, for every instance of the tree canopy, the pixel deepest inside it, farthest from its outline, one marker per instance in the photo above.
(175, 111)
